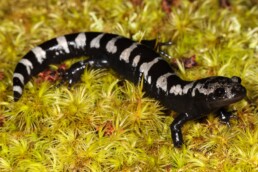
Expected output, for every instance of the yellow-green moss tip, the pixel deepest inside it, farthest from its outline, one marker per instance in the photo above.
(106, 124)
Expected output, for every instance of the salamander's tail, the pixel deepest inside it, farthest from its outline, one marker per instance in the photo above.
(51, 52)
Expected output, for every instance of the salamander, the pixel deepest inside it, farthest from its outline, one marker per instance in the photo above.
(136, 62)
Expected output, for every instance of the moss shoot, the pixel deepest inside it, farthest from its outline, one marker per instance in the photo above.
(106, 124)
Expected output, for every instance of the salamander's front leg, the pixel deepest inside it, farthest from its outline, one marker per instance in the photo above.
(73, 74)
(224, 116)
(176, 126)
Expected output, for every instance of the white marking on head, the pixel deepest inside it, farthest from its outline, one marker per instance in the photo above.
(210, 85)
(111, 48)
(145, 67)
(80, 40)
(176, 90)
(19, 76)
(229, 92)
(205, 91)
(39, 53)
(17, 89)
(162, 81)
(95, 43)
(62, 44)
(27, 64)
(136, 60)
(127, 52)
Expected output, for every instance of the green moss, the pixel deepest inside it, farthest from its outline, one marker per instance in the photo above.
(104, 124)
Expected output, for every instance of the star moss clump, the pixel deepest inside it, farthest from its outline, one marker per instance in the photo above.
(105, 123)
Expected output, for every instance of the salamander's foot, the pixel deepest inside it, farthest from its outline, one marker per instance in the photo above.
(162, 52)
(177, 137)
(225, 116)
(157, 46)
(73, 74)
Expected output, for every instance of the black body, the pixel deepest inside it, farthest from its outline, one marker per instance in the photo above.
(135, 62)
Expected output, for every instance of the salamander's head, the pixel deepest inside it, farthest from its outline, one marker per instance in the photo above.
(221, 91)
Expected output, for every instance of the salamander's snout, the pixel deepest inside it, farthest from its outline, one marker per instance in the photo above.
(240, 90)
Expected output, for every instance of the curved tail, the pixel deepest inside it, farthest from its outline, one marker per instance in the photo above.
(53, 51)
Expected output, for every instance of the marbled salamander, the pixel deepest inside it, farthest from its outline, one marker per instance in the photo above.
(135, 62)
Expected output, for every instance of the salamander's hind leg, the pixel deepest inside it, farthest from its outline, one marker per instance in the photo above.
(162, 52)
(157, 46)
(74, 73)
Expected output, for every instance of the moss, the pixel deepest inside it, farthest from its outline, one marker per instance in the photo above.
(105, 124)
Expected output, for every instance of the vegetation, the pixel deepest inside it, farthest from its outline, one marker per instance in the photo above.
(105, 124)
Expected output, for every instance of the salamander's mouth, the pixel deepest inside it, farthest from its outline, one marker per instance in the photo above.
(222, 103)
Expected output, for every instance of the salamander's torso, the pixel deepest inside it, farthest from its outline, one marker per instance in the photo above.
(135, 62)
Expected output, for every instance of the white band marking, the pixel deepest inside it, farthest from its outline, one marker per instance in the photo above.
(19, 76)
(17, 89)
(111, 48)
(136, 60)
(62, 44)
(127, 52)
(145, 67)
(162, 81)
(27, 64)
(176, 90)
(80, 40)
(187, 87)
(39, 53)
(95, 43)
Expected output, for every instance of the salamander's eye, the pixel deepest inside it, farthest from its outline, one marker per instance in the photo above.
(236, 79)
(219, 92)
